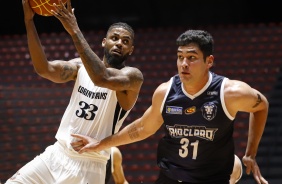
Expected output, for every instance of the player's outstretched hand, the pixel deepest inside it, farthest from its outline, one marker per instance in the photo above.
(85, 144)
(252, 166)
(66, 16)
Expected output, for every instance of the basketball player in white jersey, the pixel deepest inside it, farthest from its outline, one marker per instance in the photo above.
(104, 92)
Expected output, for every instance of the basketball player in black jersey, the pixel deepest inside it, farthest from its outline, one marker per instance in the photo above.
(115, 173)
(197, 109)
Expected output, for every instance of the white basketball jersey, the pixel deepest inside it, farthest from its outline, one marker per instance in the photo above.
(93, 111)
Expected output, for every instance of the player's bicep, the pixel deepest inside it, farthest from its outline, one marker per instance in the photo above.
(152, 117)
(243, 97)
(257, 101)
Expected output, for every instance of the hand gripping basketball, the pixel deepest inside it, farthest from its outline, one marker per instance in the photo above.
(44, 7)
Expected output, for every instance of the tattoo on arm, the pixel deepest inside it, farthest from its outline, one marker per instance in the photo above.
(258, 101)
(133, 132)
(92, 60)
(67, 71)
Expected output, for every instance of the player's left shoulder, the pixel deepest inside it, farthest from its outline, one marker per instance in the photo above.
(236, 87)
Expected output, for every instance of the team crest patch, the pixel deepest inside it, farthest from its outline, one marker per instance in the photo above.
(209, 110)
(190, 110)
(173, 110)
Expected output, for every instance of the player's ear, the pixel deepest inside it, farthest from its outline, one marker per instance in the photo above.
(103, 42)
(210, 60)
(131, 50)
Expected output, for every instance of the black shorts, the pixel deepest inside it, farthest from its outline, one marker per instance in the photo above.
(163, 179)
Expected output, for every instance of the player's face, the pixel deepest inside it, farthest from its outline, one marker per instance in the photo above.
(191, 65)
(118, 45)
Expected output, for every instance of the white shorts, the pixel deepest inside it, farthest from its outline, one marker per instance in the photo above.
(53, 166)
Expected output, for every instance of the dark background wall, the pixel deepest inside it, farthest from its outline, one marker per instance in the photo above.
(93, 14)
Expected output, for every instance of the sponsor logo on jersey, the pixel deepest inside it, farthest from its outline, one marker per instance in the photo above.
(173, 110)
(212, 93)
(209, 110)
(178, 131)
(91, 94)
(190, 110)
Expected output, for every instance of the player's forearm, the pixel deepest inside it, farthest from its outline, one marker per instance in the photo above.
(36, 51)
(93, 64)
(133, 132)
(256, 128)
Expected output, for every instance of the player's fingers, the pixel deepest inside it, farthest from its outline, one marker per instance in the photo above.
(256, 177)
(260, 177)
(82, 150)
(256, 174)
(82, 137)
(76, 143)
(78, 148)
(87, 148)
(69, 6)
(63, 7)
(57, 15)
(59, 9)
(248, 168)
(263, 181)
(57, 12)
(56, 7)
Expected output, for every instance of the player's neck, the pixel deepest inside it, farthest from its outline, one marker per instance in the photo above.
(194, 86)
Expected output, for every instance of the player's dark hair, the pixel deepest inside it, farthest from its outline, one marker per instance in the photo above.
(124, 26)
(202, 38)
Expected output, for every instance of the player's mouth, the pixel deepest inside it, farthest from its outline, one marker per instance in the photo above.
(117, 52)
(185, 73)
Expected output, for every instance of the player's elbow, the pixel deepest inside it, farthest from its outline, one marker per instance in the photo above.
(42, 73)
(265, 104)
(100, 80)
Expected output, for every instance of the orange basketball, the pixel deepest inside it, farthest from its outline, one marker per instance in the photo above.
(44, 7)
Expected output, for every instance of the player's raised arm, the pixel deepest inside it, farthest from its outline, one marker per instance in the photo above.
(111, 71)
(118, 46)
(56, 71)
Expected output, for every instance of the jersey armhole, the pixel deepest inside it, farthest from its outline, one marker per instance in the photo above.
(222, 100)
(168, 89)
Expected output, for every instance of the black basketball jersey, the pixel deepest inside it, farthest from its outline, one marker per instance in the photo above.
(198, 144)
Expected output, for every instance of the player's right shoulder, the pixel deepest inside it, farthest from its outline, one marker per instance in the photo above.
(161, 90)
